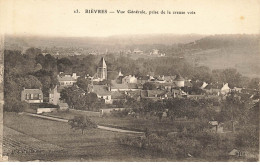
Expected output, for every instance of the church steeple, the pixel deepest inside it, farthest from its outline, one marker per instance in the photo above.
(102, 63)
(102, 69)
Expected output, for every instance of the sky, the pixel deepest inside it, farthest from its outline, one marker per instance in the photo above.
(57, 18)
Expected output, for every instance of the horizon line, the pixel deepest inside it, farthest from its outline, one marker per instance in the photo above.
(124, 35)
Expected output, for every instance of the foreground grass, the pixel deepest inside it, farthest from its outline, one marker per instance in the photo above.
(128, 122)
(94, 145)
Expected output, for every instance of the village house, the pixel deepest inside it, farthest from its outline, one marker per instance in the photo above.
(216, 126)
(54, 96)
(236, 153)
(67, 80)
(124, 86)
(108, 96)
(213, 88)
(154, 52)
(102, 92)
(32, 95)
(118, 87)
(159, 79)
(203, 86)
(225, 89)
(129, 79)
(161, 94)
(143, 79)
(218, 88)
(118, 96)
(179, 81)
(137, 51)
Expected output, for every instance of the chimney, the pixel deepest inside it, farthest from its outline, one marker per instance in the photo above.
(74, 75)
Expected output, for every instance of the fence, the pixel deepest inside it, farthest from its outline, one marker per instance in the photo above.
(42, 110)
(88, 113)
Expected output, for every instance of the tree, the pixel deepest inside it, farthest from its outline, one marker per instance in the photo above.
(75, 97)
(130, 102)
(207, 138)
(14, 105)
(48, 79)
(230, 76)
(17, 63)
(231, 110)
(248, 137)
(50, 63)
(202, 73)
(20, 106)
(91, 100)
(82, 123)
(159, 108)
(29, 82)
(40, 59)
(149, 86)
(64, 65)
(83, 83)
(254, 83)
(33, 52)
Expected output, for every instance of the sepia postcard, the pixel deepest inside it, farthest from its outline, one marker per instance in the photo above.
(129, 80)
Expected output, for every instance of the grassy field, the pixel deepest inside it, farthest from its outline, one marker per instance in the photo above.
(128, 122)
(94, 145)
(245, 59)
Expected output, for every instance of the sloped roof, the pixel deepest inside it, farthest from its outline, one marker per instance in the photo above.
(213, 86)
(115, 85)
(204, 85)
(117, 95)
(102, 63)
(132, 86)
(32, 91)
(134, 94)
(159, 78)
(169, 78)
(187, 84)
(143, 78)
(179, 78)
(154, 93)
(172, 84)
(66, 78)
(101, 90)
(233, 152)
(225, 87)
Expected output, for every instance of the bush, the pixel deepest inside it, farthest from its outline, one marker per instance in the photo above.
(20, 106)
(43, 105)
(81, 122)
(119, 113)
(247, 137)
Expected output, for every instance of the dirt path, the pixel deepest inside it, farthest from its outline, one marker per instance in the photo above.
(65, 120)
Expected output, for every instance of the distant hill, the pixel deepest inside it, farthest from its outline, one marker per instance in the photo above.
(227, 51)
(222, 41)
(84, 42)
(240, 51)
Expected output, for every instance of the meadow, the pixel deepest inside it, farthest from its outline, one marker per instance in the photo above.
(93, 145)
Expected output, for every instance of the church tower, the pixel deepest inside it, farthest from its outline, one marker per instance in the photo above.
(102, 69)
